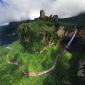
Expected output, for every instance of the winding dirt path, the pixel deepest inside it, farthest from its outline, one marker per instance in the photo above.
(36, 74)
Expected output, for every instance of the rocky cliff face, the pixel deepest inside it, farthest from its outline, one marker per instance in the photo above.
(81, 69)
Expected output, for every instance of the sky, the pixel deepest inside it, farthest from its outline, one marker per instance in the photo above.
(16, 10)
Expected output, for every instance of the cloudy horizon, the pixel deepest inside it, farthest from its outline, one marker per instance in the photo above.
(11, 10)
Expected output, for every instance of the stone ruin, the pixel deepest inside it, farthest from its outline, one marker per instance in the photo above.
(42, 13)
(55, 17)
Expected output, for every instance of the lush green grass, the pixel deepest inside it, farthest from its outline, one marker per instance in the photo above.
(34, 61)
(12, 75)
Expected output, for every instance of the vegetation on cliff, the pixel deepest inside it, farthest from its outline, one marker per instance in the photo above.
(35, 50)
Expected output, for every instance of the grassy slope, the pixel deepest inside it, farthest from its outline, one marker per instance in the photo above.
(12, 75)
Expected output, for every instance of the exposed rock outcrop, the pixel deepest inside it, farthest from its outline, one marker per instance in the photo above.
(81, 69)
(42, 13)
(55, 17)
(61, 32)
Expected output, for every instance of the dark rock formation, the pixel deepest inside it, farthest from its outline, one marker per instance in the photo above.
(55, 17)
(42, 13)
(81, 69)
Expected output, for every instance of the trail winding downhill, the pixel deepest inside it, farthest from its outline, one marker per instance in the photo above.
(36, 74)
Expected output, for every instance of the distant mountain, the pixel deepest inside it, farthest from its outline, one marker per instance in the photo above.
(79, 19)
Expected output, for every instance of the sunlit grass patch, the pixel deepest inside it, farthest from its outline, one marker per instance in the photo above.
(36, 62)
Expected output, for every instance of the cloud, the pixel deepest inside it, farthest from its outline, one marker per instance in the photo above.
(11, 10)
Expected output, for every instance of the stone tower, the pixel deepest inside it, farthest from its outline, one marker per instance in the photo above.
(42, 13)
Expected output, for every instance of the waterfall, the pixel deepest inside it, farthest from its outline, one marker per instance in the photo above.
(69, 43)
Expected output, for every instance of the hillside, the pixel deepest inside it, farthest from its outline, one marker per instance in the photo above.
(35, 50)
(32, 53)
(76, 20)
